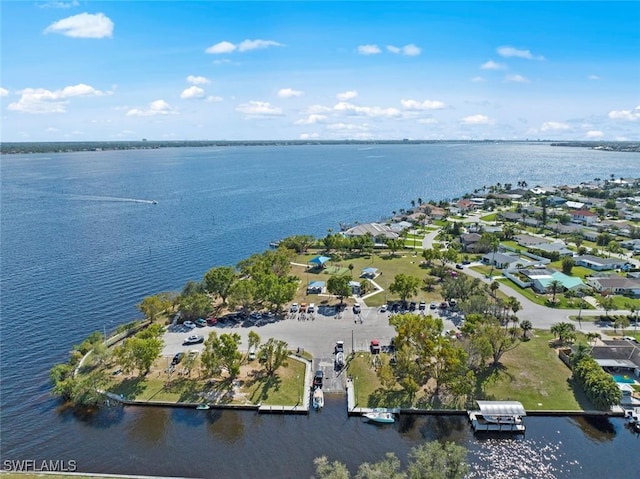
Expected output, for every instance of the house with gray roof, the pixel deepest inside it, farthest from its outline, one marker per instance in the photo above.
(557, 247)
(378, 231)
(615, 284)
(600, 264)
(501, 260)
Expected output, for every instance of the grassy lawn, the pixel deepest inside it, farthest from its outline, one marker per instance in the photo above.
(389, 265)
(534, 375)
(485, 270)
(252, 386)
(541, 299)
(621, 302)
(577, 271)
(489, 217)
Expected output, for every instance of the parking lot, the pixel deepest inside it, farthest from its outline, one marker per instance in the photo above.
(313, 332)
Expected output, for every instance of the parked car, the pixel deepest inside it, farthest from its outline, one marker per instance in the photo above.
(339, 347)
(459, 266)
(412, 306)
(374, 347)
(201, 322)
(422, 306)
(318, 378)
(189, 324)
(433, 305)
(177, 358)
(212, 321)
(294, 307)
(252, 353)
(194, 339)
(356, 309)
(312, 308)
(383, 308)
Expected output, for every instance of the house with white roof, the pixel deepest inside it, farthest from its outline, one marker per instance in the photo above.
(600, 264)
(584, 217)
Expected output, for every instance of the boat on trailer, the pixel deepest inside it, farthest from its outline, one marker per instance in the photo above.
(498, 416)
(318, 398)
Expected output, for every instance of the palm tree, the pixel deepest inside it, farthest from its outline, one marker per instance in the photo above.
(592, 336)
(493, 287)
(556, 287)
(495, 243)
(563, 331)
(525, 326)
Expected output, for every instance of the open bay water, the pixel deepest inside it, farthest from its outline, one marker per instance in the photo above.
(82, 242)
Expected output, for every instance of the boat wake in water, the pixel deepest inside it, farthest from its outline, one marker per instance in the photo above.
(110, 198)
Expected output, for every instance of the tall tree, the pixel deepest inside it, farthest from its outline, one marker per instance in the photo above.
(219, 281)
(339, 286)
(273, 354)
(404, 286)
(152, 306)
(565, 332)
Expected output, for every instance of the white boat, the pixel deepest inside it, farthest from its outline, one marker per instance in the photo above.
(380, 417)
(203, 406)
(318, 398)
(498, 416)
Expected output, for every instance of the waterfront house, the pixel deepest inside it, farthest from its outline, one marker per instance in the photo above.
(379, 232)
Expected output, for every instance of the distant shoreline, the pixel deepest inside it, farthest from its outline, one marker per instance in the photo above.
(8, 148)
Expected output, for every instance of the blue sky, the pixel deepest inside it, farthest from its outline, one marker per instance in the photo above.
(73, 70)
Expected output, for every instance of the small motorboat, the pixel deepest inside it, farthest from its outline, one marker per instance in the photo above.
(318, 398)
(380, 417)
(203, 406)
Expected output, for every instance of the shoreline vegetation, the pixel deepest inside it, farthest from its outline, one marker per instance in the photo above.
(7, 148)
(493, 355)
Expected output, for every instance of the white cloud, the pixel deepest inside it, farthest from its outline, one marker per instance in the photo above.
(347, 95)
(3, 91)
(427, 121)
(318, 109)
(41, 100)
(258, 109)
(198, 80)
(491, 65)
(192, 92)
(409, 50)
(58, 4)
(516, 79)
(372, 111)
(477, 120)
(243, 46)
(83, 25)
(478, 79)
(369, 49)
(348, 127)
(289, 93)
(157, 107)
(222, 47)
(629, 115)
(414, 105)
(312, 120)
(554, 126)
(308, 136)
(593, 77)
(595, 134)
(214, 99)
(247, 45)
(509, 52)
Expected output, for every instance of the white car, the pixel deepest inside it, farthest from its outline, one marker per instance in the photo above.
(383, 308)
(194, 339)
(189, 324)
(294, 307)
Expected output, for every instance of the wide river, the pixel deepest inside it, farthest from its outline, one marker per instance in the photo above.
(82, 242)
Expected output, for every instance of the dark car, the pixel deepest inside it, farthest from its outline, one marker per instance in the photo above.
(177, 358)
(412, 306)
(422, 306)
(318, 378)
(212, 321)
(459, 266)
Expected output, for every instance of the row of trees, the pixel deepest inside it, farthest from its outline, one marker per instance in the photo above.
(431, 460)
(599, 386)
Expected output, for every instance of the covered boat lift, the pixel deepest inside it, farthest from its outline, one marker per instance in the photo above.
(498, 416)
